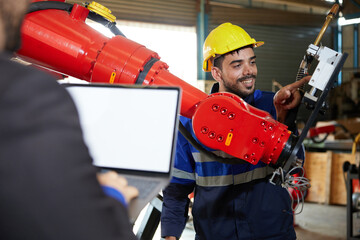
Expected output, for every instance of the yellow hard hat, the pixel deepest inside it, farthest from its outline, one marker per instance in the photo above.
(223, 39)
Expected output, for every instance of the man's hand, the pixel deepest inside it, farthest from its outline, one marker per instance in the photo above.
(114, 180)
(288, 97)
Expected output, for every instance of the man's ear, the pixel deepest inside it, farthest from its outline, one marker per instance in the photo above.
(216, 73)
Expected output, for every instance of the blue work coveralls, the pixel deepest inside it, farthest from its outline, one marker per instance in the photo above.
(231, 201)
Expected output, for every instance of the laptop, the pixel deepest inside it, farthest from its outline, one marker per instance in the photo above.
(132, 130)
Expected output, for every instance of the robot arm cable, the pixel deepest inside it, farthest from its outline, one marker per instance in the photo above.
(38, 6)
(299, 184)
(46, 5)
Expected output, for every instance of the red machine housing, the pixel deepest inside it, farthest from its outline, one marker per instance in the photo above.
(64, 43)
(315, 131)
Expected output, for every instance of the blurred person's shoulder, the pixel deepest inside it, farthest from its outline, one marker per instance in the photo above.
(14, 72)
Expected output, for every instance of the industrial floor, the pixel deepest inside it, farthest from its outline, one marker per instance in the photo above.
(320, 222)
(315, 222)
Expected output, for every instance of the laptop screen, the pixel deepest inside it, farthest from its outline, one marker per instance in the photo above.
(128, 127)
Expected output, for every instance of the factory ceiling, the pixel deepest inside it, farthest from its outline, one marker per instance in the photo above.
(256, 12)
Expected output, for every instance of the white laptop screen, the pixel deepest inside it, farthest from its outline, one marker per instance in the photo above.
(131, 128)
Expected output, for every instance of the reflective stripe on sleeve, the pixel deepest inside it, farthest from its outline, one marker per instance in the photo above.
(198, 157)
(215, 181)
(218, 181)
(182, 174)
(257, 173)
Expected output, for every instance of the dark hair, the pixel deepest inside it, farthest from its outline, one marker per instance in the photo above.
(219, 60)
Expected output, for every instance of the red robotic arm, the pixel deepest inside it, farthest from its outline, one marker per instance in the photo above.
(61, 41)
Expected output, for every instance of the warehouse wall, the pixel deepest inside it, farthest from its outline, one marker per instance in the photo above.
(345, 99)
(348, 46)
(286, 34)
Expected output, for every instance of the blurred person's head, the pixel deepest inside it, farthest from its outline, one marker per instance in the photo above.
(12, 13)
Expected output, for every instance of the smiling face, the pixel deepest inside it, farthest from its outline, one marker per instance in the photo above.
(237, 72)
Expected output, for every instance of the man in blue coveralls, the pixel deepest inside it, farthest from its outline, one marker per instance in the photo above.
(231, 201)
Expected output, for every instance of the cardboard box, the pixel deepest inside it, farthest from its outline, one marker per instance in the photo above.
(351, 124)
(317, 171)
(325, 171)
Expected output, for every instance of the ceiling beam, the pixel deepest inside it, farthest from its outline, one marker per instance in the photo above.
(310, 6)
(262, 16)
(301, 3)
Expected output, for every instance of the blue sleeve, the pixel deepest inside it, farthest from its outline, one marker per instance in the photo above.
(184, 166)
(175, 209)
(264, 101)
(176, 201)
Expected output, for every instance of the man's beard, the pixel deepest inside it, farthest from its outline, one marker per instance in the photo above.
(233, 88)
